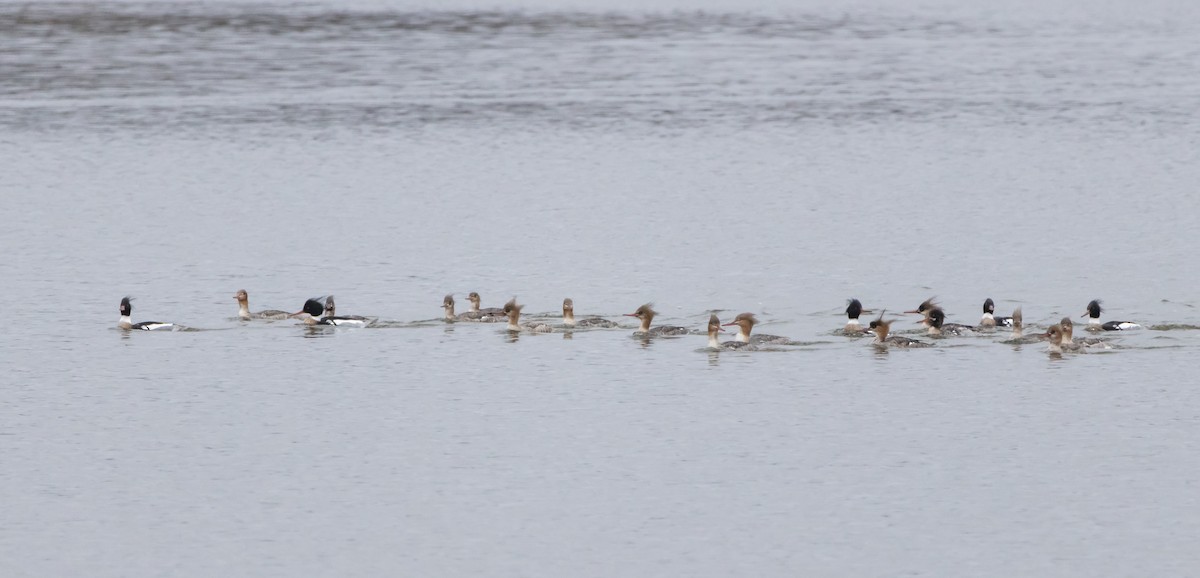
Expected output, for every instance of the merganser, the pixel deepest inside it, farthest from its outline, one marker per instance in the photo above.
(924, 306)
(1068, 336)
(569, 317)
(1093, 313)
(1054, 335)
(989, 319)
(853, 310)
(714, 327)
(513, 312)
(935, 320)
(244, 313)
(344, 320)
(125, 323)
(314, 313)
(646, 315)
(882, 339)
(1018, 330)
(448, 306)
(745, 323)
(488, 315)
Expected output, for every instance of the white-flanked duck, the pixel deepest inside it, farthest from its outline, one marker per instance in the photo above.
(343, 320)
(935, 320)
(853, 309)
(569, 318)
(1093, 315)
(646, 314)
(989, 318)
(126, 323)
(244, 313)
(315, 313)
(881, 328)
(513, 312)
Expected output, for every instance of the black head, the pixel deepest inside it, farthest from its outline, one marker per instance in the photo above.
(854, 309)
(989, 306)
(926, 305)
(313, 307)
(126, 308)
(937, 317)
(1093, 309)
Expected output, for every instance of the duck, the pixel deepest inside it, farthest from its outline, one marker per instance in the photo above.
(314, 313)
(935, 320)
(1068, 336)
(715, 328)
(924, 306)
(344, 320)
(1018, 330)
(745, 323)
(484, 315)
(244, 313)
(513, 312)
(881, 328)
(989, 319)
(126, 323)
(854, 308)
(448, 305)
(569, 318)
(646, 314)
(1093, 314)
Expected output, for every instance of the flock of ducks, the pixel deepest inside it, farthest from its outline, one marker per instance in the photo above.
(1060, 337)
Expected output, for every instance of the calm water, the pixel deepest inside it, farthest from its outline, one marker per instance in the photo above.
(778, 160)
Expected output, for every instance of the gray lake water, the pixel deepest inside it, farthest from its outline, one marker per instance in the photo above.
(774, 158)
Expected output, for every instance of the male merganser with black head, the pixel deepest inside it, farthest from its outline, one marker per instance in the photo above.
(714, 328)
(1093, 315)
(244, 313)
(935, 319)
(315, 313)
(485, 315)
(513, 312)
(924, 306)
(880, 328)
(853, 310)
(569, 317)
(344, 320)
(1068, 336)
(745, 323)
(126, 323)
(989, 319)
(646, 315)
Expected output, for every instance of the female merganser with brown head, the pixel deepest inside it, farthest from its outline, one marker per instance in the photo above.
(1054, 336)
(935, 319)
(126, 323)
(745, 323)
(448, 306)
(853, 310)
(569, 317)
(646, 315)
(1018, 330)
(348, 320)
(1068, 336)
(924, 306)
(714, 327)
(486, 315)
(513, 312)
(1093, 315)
(989, 319)
(880, 328)
(244, 313)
